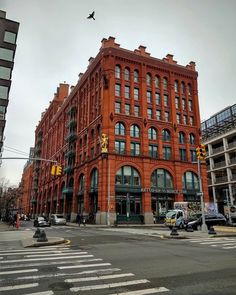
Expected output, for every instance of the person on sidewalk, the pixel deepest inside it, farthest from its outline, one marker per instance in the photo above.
(78, 219)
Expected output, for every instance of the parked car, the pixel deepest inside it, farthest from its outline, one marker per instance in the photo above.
(211, 219)
(41, 221)
(57, 219)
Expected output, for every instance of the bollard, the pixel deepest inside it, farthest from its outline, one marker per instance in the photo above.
(189, 228)
(174, 231)
(42, 237)
(211, 231)
(37, 233)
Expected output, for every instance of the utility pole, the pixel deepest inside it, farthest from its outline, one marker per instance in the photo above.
(201, 154)
(228, 205)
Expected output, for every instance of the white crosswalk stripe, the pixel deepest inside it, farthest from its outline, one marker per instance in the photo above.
(225, 243)
(27, 269)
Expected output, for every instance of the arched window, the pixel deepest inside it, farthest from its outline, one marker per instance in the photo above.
(94, 178)
(181, 137)
(176, 85)
(161, 178)
(134, 131)
(166, 135)
(152, 133)
(117, 72)
(165, 83)
(182, 87)
(81, 182)
(127, 175)
(136, 76)
(127, 74)
(191, 138)
(149, 79)
(119, 129)
(157, 82)
(190, 181)
(189, 89)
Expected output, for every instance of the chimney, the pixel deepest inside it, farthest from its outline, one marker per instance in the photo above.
(191, 66)
(110, 42)
(169, 59)
(142, 51)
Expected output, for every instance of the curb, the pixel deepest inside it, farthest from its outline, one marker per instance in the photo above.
(29, 243)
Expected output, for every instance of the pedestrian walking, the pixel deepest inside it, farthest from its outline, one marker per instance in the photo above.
(78, 219)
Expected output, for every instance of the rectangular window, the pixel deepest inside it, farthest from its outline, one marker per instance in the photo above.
(158, 115)
(166, 100)
(158, 98)
(178, 118)
(182, 155)
(149, 113)
(166, 153)
(127, 109)
(2, 110)
(117, 90)
(120, 147)
(136, 93)
(135, 148)
(3, 92)
(6, 54)
(193, 155)
(149, 96)
(185, 119)
(191, 121)
(176, 102)
(127, 92)
(92, 152)
(117, 107)
(9, 37)
(183, 104)
(190, 105)
(136, 111)
(5, 73)
(167, 116)
(153, 151)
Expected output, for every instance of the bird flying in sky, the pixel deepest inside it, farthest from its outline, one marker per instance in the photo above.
(91, 15)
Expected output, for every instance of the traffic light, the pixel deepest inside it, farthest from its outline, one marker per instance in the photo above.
(53, 170)
(201, 151)
(58, 170)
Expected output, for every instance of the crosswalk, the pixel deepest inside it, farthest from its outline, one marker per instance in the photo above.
(41, 271)
(226, 243)
(52, 227)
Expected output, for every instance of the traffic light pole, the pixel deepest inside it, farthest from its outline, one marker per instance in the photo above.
(204, 226)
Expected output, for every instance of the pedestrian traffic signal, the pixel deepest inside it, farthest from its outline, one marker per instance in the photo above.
(58, 170)
(53, 170)
(201, 151)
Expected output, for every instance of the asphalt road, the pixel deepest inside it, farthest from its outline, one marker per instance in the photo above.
(150, 263)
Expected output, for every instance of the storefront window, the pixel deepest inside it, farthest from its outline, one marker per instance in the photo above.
(161, 178)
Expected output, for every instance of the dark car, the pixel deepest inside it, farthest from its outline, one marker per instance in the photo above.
(211, 219)
(41, 221)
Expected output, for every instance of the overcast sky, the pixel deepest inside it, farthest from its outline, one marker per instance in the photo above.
(55, 41)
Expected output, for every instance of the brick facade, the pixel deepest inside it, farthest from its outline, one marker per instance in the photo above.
(149, 110)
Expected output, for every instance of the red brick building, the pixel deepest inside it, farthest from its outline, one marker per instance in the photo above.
(148, 109)
(26, 189)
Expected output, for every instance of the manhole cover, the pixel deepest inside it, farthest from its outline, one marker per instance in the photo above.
(61, 286)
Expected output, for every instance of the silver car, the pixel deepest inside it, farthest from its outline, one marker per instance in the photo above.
(57, 219)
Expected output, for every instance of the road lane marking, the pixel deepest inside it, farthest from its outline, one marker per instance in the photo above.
(107, 286)
(56, 254)
(44, 263)
(35, 249)
(18, 271)
(217, 242)
(83, 265)
(105, 277)
(233, 247)
(145, 291)
(10, 288)
(85, 272)
(211, 239)
(36, 259)
(41, 293)
(39, 252)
